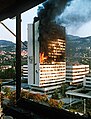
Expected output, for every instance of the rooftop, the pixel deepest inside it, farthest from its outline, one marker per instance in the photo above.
(81, 92)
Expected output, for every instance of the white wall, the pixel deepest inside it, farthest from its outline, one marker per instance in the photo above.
(30, 54)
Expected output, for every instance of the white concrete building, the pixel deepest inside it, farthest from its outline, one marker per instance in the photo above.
(46, 70)
(50, 77)
(87, 81)
(75, 73)
(25, 72)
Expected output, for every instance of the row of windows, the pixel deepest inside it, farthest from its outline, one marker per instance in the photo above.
(44, 80)
(79, 68)
(55, 70)
(88, 79)
(75, 75)
(52, 76)
(79, 71)
(88, 83)
(75, 78)
(57, 82)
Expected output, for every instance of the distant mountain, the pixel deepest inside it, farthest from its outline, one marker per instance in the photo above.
(78, 42)
(77, 47)
(7, 43)
(10, 46)
(71, 37)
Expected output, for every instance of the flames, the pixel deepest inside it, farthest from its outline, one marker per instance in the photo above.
(42, 58)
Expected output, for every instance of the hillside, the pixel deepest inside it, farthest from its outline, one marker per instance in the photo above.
(78, 41)
(75, 43)
(5, 42)
(10, 46)
(78, 48)
(7, 45)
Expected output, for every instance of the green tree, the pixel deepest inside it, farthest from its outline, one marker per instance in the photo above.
(7, 73)
(63, 89)
(55, 95)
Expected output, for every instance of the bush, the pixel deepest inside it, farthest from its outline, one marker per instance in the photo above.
(55, 103)
(35, 97)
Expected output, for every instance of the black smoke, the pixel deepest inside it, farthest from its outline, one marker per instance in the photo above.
(50, 9)
(75, 15)
(48, 28)
(47, 13)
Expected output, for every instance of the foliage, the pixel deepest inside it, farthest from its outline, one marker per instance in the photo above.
(7, 91)
(38, 97)
(63, 89)
(24, 94)
(12, 97)
(55, 95)
(34, 96)
(79, 86)
(7, 73)
(55, 103)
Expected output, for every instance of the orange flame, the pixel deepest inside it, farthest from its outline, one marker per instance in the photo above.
(42, 58)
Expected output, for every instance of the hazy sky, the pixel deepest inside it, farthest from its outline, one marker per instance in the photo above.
(27, 18)
(76, 18)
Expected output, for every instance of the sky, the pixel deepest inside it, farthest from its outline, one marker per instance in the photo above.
(76, 18)
(27, 18)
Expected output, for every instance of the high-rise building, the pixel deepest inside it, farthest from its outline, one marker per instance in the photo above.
(46, 59)
(75, 73)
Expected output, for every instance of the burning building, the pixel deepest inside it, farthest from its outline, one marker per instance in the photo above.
(46, 57)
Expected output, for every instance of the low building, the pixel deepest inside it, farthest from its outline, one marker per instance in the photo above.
(25, 72)
(87, 81)
(75, 73)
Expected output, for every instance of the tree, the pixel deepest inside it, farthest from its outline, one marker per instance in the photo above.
(55, 95)
(55, 103)
(63, 89)
(7, 73)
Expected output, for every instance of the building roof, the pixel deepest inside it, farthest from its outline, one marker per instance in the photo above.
(10, 8)
(79, 94)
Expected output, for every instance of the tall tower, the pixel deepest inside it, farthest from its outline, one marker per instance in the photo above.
(46, 58)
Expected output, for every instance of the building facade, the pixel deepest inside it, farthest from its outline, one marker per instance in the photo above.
(87, 81)
(46, 61)
(25, 72)
(75, 73)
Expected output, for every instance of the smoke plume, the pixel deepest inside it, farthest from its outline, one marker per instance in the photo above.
(50, 9)
(47, 14)
(76, 13)
(48, 28)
